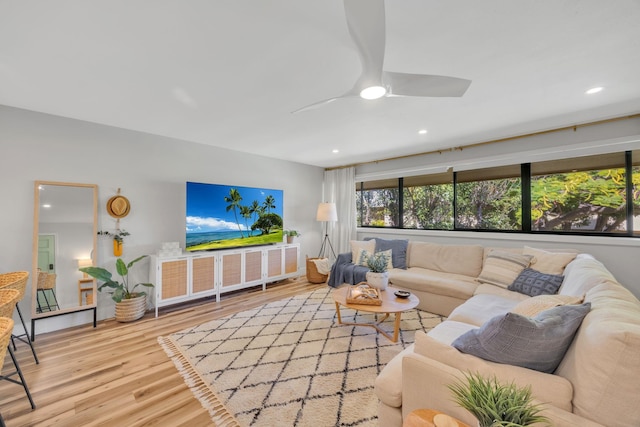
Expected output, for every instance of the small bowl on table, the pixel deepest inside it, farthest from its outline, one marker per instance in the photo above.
(402, 294)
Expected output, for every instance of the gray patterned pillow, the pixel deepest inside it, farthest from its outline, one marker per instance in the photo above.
(533, 283)
(536, 343)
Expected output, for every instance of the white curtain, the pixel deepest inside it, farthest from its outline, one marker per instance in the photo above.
(340, 188)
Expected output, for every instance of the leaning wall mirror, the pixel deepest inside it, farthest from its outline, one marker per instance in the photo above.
(64, 239)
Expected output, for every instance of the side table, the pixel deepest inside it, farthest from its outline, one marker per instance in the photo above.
(431, 418)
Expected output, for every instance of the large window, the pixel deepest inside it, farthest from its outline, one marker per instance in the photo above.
(489, 199)
(635, 191)
(377, 203)
(591, 197)
(427, 202)
(584, 195)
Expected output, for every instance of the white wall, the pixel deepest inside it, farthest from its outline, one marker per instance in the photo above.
(151, 172)
(619, 255)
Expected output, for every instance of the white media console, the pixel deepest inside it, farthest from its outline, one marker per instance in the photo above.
(201, 274)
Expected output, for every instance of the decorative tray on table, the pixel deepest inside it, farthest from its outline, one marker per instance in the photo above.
(363, 294)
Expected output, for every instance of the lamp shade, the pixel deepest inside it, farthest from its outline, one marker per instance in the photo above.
(327, 212)
(85, 262)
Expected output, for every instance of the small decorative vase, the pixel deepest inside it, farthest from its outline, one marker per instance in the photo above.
(378, 280)
(131, 309)
(290, 239)
(117, 248)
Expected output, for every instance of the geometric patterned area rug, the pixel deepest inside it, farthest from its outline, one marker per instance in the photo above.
(289, 363)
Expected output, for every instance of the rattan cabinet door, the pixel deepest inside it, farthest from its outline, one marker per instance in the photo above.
(173, 275)
(203, 274)
(291, 259)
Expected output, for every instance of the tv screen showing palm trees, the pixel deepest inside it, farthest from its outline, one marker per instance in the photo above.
(228, 216)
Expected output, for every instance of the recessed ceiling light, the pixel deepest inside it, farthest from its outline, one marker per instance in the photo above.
(335, 151)
(594, 90)
(373, 92)
(422, 131)
(46, 205)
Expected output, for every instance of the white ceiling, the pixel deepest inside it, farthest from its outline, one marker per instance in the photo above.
(229, 72)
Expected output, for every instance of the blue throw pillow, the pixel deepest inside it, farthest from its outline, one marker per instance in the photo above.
(398, 250)
(533, 283)
(536, 343)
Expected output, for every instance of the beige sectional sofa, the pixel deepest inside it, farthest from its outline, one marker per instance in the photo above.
(596, 382)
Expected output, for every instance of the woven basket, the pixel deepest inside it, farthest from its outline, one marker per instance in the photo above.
(363, 294)
(131, 309)
(8, 301)
(6, 328)
(16, 280)
(312, 272)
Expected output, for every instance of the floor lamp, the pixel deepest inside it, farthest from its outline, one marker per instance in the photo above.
(326, 212)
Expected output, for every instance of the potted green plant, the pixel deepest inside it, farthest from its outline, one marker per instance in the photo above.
(290, 235)
(130, 304)
(495, 404)
(377, 276)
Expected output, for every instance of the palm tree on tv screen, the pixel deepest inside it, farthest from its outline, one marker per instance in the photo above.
(234, 198)
(269, 203)
(245, 212)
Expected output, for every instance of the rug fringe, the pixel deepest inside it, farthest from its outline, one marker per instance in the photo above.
(199, 387)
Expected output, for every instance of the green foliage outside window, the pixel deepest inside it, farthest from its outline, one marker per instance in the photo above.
(579, 201)
(489, 205)
(585, 201)
(428, 207)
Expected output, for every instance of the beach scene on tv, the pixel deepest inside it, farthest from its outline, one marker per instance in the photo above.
(224, 216)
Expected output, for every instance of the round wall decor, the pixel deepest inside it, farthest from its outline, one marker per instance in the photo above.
(118, 206)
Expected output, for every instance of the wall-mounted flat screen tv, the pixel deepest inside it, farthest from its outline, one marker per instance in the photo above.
(230, 216)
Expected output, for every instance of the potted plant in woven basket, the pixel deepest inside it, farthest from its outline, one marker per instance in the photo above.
(130, 304)
(495, 404)
(378, 276)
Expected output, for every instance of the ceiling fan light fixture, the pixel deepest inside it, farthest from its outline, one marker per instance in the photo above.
(373, 92)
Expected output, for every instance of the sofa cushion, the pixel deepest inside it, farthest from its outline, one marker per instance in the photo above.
(583, 274)
(398, 249)
(533, 282)
(359, 245)
(536, 343)
(364, 254)
(481, 308)
(388, 383)
(486, 288)
(436, 282)
(549, 262)
(447, 331)
(501, 267)
(552, 389)
(532, 306)
(446, 258)
(603, 361)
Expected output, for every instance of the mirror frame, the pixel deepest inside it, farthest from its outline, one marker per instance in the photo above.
(34, 277)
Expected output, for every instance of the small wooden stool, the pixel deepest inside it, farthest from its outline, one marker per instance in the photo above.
(431, 418)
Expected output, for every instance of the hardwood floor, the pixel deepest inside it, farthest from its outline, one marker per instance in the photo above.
(117, 374)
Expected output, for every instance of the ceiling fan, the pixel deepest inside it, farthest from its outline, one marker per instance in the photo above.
(366, 23)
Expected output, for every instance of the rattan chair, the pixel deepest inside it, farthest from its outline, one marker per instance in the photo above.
(6, 329)
(5, 335)
(46, 282)
(8, 300)
(18, 280)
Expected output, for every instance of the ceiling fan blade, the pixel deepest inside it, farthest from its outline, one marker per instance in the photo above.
(321, 103)
(314, 105)
(366, 23)
(405, 84)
